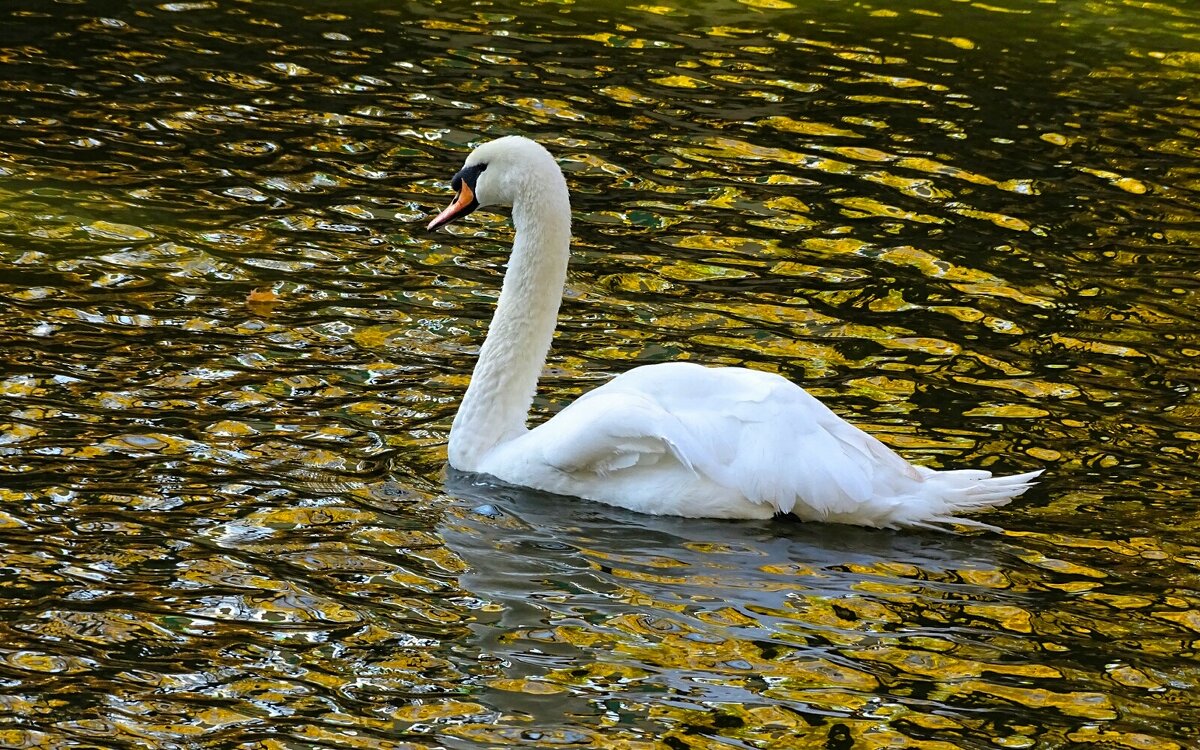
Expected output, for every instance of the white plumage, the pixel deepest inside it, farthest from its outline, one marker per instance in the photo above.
(675, 438)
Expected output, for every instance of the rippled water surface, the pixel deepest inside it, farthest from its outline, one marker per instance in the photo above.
(230, 355)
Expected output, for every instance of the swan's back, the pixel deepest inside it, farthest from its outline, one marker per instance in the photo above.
(766, 436)
(688, 440)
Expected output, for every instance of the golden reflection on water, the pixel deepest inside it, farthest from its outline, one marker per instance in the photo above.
(230, 359)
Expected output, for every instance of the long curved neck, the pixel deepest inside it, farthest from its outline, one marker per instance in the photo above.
(496, 405)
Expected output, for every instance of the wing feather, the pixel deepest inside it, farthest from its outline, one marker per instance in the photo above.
(749, 431)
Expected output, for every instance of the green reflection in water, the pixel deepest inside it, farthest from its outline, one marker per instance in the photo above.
(231, 356)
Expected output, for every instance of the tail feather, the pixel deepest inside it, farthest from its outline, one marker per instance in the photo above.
(940, 523)
(947, 494)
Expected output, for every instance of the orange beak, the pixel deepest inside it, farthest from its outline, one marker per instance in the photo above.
(463, 204)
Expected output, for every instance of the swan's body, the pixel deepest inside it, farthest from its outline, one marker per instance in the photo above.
(675, 438)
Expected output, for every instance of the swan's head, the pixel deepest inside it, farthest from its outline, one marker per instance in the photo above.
(499, 173)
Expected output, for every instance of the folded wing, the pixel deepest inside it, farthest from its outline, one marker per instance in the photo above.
(749, 431)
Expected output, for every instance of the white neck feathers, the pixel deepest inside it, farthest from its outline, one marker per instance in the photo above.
(496, 405)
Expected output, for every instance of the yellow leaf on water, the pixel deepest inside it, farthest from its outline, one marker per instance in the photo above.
(113, 231)
(807, 127)
(262, 301)
(529, 687)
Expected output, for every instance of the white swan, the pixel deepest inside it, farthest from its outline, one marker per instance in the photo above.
(675, 438)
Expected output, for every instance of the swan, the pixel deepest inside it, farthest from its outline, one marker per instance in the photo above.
(676, 438)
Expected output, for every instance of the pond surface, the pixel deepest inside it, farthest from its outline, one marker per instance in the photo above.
(230, 355)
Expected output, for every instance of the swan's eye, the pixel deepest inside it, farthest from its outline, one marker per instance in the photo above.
(471, 174)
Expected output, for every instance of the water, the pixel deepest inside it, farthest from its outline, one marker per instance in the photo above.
(231, 355)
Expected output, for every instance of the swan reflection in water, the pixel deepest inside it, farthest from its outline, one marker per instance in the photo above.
(706, 610)
(514, 535)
